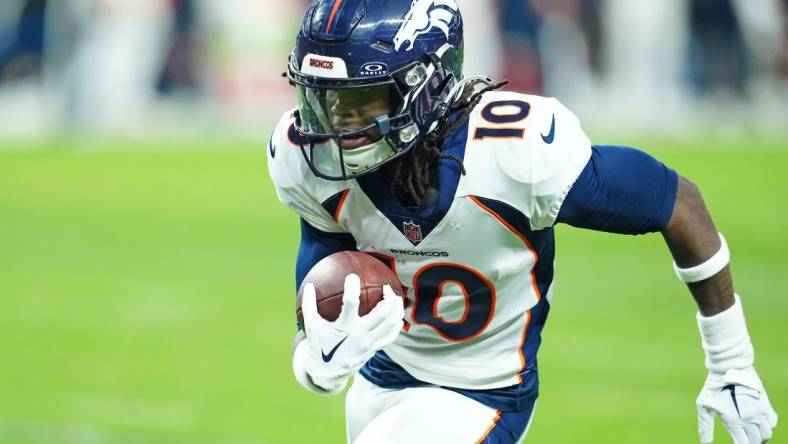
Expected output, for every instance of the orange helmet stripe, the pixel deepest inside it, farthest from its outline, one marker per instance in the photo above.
(333, 14)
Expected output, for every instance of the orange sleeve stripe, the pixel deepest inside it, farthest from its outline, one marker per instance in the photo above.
(489, 430)
(341, 204)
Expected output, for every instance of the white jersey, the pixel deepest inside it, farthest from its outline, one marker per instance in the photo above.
(479, 276)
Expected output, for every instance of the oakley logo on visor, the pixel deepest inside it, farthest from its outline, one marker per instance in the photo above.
(322, 66)
(373, 69)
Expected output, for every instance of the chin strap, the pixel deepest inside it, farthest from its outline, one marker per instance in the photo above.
(363, 158)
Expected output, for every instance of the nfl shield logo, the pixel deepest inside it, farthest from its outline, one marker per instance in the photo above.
(412, 231)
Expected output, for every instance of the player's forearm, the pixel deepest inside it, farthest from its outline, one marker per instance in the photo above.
(693, 239)
(701, 258)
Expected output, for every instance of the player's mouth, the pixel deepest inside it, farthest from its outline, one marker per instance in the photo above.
(357, 142)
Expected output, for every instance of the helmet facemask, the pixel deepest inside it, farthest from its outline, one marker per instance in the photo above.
(352, 127)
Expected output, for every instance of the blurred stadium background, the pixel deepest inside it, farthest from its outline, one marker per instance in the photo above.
(146, 267)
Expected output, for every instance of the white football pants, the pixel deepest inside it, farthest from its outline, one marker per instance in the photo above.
(431, 415)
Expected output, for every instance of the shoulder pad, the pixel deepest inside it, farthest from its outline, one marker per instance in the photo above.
(284, 156)
(537, 142)
(294, 182)
(552, 138)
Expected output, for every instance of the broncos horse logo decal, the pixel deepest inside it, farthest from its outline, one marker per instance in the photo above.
(425, 15)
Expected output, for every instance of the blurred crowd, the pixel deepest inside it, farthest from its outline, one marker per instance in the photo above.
(112, 64)
(727, 40)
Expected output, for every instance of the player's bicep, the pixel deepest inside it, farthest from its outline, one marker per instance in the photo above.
(315, 245)
(621, 190)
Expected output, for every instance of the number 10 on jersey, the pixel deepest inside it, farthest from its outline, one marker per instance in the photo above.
(503, 112)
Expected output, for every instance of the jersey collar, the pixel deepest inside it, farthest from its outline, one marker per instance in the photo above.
(428, 218)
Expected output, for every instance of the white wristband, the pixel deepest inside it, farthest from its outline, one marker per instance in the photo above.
(707, 269)
(725, 339)
(300, 356)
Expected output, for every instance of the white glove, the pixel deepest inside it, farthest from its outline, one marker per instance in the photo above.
(338, 349)
(740, 399)
(733, 388)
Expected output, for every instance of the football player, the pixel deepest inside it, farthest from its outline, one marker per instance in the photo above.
(457, 187)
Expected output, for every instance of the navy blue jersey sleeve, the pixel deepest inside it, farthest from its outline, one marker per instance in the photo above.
(621, 190)
(315, 245)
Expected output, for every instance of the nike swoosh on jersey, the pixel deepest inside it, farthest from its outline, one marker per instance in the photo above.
(271, 147)
(330, 355)
(550, 137)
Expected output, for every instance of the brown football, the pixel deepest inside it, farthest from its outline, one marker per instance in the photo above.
(328, 277)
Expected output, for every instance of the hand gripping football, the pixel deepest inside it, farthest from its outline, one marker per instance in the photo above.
(328, 277)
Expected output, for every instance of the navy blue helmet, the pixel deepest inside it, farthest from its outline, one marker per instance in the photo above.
(373, 78)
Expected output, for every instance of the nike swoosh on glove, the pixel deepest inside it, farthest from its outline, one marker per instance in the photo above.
(741, 401)
(338, 349)
(733, 388)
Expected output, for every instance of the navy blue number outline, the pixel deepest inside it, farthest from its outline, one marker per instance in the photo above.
(490, 116)
(479, 293)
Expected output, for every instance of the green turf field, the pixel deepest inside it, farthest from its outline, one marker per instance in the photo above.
(146, 297)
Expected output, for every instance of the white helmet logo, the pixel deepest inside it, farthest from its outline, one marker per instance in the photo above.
(425, 15)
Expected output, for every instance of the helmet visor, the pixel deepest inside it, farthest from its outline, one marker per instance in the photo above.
(341, 112)
(344, 126)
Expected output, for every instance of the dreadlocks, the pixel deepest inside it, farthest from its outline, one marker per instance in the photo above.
(410, 175)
